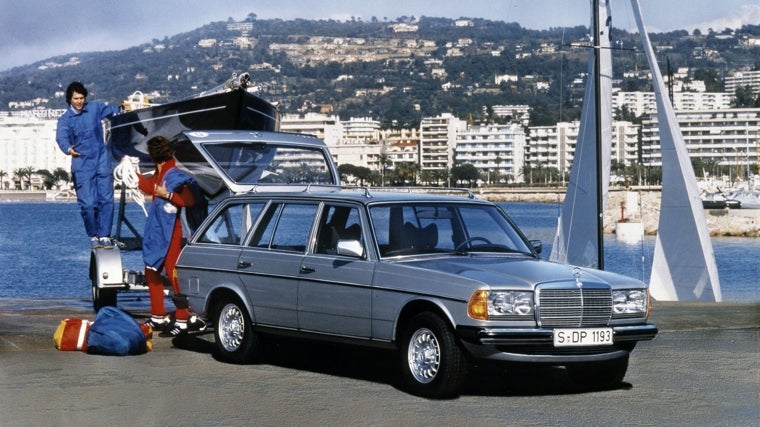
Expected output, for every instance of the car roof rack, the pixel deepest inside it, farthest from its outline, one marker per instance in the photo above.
(449, 191)
(368, 190)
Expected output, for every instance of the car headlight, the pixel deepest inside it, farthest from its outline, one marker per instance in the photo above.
(499, 304)
(631, 301)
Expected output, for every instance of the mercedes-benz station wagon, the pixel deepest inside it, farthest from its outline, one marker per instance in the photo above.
(444, 280)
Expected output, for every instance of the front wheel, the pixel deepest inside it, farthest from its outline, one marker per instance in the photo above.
(432, 363)
(236, 342)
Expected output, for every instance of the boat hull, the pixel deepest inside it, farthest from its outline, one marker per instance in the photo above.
(236, 109)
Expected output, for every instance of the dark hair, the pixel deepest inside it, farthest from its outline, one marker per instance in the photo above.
(75, 87)
(159, 149)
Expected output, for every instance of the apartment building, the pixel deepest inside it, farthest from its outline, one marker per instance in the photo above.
(497, 151)
(401, 146)
(640, 103)
(324, 127)
(741, 79)
(437, 141)
(27, 140)
(725, 137)
(554, 146)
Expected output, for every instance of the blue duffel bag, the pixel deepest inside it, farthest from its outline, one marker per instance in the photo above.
(116, 333)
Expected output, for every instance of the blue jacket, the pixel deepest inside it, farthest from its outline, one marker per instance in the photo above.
(159, 225)
(83, 130)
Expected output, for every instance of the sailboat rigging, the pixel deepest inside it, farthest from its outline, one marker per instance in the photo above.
(684, 265)
(580, 226)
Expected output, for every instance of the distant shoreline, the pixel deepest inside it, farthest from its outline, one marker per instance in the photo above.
(720, 222)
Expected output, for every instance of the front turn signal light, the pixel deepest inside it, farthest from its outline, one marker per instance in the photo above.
(477, 308)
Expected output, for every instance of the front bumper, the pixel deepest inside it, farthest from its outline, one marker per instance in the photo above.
(536, 344)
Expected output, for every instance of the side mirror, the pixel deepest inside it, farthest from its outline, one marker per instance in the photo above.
(537, 246)
(352, 248)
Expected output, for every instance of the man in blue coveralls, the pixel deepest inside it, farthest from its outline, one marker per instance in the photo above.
(80, 135)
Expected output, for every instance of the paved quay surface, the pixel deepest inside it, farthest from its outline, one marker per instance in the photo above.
(703, 369)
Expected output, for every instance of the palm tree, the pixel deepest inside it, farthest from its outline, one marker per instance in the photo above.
(3, 174)
(25, 174)
(385, 161)
(407, 172)
(61, 177)
(48, 179)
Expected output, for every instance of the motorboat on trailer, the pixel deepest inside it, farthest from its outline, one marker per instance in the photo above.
(229, 106)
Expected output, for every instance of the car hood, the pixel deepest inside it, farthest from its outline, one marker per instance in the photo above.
(516, 271)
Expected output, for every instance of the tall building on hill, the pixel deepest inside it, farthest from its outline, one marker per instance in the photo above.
(741, 79)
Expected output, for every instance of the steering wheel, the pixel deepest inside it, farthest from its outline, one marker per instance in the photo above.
(473, 239)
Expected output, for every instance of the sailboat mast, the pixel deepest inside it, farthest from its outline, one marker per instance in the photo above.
(597, 46)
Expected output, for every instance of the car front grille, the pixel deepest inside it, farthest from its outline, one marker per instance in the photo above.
(576, 306)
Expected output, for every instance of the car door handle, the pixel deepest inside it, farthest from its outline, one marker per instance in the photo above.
(244, 264)
(305, 269)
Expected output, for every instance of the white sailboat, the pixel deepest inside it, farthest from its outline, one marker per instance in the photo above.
(579, 230)
(683, 267)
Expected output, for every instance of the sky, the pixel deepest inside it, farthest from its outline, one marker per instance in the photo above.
(34, 30)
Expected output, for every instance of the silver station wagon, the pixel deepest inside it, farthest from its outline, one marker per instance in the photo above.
(445, 280)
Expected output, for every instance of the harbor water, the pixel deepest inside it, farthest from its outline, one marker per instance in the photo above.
(44, 253)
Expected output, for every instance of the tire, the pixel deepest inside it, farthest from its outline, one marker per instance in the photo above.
(598, 375)
(236, 342)
(103, 298)
(100, 297)
(432, 363)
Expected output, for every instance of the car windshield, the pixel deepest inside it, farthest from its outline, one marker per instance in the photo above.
(407, 229)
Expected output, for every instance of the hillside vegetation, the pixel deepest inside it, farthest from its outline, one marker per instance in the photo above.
(395, 71)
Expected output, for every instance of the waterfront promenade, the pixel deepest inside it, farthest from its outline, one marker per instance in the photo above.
(702, 369)
(720, 222)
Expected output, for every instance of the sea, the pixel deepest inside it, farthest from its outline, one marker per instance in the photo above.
(44, 253)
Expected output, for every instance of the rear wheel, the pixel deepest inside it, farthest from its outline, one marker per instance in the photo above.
(236, 342)
(598, 375)
(432, 363)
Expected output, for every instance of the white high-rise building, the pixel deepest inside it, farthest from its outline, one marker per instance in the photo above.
(741, 79)
(497, 151)
(725, 137)
(438, 137)
(640, 103)
(324, 127)
(27, 140)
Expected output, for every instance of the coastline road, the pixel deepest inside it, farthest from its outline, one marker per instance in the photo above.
(703, 369)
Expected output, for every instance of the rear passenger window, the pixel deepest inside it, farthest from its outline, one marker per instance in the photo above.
(285, 227)
(232, 224)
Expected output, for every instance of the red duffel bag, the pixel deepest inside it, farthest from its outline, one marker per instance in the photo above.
(72, 334)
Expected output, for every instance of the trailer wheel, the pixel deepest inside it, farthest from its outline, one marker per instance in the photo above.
(103, 298)
(100, 297)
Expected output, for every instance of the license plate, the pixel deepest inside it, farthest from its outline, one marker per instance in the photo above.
(580, 337)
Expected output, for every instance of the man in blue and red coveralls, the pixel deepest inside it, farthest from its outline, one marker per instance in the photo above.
(80, 135)
(172, 190)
